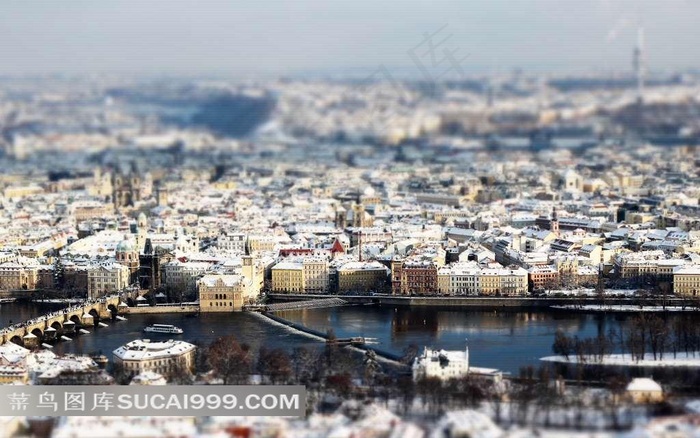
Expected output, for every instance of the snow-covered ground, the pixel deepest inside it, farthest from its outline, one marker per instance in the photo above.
(624, 308)
(690, 360)
(591, 292)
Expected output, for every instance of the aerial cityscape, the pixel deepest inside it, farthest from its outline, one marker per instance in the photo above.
(430, 249)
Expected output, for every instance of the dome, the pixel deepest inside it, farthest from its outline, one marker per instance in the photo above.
(125, 246)
(142, 219)
(369, 191)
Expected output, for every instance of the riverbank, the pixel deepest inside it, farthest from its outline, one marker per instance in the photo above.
(160, 309)
(574, 304)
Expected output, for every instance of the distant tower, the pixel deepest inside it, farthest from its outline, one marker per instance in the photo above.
(341, 220)
(554, 223)
(358, 215)
(141, 229)
(639, 64)
(490, 95)
(248, 270)
(162, 196)
(126, 190)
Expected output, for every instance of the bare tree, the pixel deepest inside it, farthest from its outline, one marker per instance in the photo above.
(658, 335)
(409, 354)
(636, 336)
(275, 364)
(230, 360)
(496, 396)
(525, 393)
(562, 344)
(339, 384)
(180, 374)
(616, 386)
(546, 394)
(306, 365)
(372, 367)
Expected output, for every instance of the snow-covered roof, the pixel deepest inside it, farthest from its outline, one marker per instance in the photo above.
(644, 384)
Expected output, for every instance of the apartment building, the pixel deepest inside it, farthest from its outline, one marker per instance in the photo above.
(105, 278)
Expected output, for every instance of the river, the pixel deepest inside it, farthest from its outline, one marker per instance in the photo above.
(506, 340)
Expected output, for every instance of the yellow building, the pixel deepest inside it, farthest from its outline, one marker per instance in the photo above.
(12, 373)
(16, 276)
(220, 293)
(288, 277)
(258, 243)
(489, 282)
(502, 281)
(686, 281)
(362, 277)
(22, 191)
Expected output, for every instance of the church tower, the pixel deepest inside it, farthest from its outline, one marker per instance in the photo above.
(141, 229)
(128, 256)
(554, 223)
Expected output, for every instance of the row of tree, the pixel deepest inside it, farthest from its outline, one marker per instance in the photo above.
(644, 333)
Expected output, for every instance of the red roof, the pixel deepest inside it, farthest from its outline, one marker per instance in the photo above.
(337, 247)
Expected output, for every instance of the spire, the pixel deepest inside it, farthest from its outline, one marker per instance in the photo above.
(639, 64)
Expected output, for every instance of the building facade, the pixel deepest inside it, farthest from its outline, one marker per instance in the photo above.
(221, 293)
(165, 358)
(106, 278)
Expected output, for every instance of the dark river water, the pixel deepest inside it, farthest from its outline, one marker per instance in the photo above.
(505, 340)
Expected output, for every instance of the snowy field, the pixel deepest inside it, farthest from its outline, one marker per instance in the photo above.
(685, 360)
(624, 308)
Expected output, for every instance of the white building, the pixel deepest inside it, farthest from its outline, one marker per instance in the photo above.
(148, 378)
(441, 364)
(178, 273)
(232, 242)
(160, 357)
(644, 390)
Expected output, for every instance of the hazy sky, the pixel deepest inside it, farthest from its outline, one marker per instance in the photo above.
(286, 37)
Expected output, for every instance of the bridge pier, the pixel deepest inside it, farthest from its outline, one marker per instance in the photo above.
(30, 340)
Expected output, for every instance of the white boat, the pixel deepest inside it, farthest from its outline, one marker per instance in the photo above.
(66, 338)
(83, 331)
(47, 346)
(102, 324)
(163, 328)
(120, 318)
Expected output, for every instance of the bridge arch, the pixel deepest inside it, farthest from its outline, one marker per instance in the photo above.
(130, 302)
(57, 325)
(16, 339)
(76, 320)
(38, 333)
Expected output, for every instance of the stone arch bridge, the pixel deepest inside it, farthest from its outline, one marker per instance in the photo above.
(55, 324)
